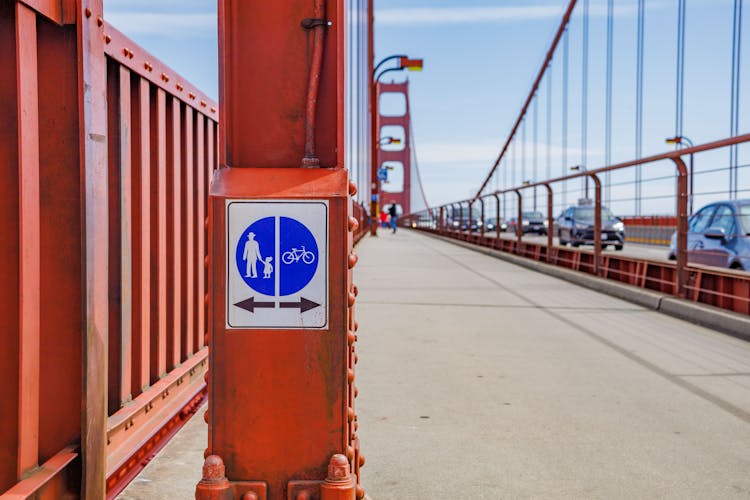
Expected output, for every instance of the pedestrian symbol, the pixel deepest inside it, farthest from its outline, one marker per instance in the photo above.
(256, 250)
(277, 277)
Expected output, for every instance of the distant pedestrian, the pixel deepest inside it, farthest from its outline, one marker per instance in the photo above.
(393, 212)
(383, 219)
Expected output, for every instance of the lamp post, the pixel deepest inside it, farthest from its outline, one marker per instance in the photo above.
(583, 168)
(404, 63)
(679, 141)
(384, 141)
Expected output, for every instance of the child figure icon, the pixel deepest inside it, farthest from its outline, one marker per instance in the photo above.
(267, 268)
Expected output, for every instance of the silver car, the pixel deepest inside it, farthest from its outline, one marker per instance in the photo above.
(718, 235)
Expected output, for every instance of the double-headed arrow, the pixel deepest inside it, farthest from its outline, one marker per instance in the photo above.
(251, 305)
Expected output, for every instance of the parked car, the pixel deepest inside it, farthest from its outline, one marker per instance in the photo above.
(532, 222)
(576, 226)
(489, 224)
(718, 235)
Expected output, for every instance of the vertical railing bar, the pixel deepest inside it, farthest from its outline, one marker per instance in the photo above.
(190, 298)
(161, 223)
(29, 239)
(201, 231)
(92, 68)
(144, 349)
(126, 238)
(177, 211)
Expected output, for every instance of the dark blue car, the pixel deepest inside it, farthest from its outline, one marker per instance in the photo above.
(719, 235)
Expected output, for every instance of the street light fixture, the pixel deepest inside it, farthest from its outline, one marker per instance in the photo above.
(582, 168)
(404, 63)
(384, 141)
(679, 140)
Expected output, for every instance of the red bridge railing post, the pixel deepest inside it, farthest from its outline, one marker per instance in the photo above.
(281, 414)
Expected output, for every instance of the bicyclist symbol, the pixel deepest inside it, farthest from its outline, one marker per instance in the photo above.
(257, 253)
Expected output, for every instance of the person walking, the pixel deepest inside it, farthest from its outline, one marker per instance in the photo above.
(393, 212)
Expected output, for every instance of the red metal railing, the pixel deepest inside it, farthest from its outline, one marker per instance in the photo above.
(105, 155)
(360, 213)
(726, 289)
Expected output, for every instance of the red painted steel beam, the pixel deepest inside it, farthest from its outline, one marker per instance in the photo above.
(9, 250)
(92, 73)
(130, 55)
(282, 448)
(48, 480)
(532, 92)
(29, 226)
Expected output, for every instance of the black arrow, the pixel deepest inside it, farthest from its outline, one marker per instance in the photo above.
(303, 305)
(251, 305)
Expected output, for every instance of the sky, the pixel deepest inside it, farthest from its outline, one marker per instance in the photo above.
(481, 57)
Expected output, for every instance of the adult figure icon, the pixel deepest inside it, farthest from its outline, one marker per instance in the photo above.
(252, 255)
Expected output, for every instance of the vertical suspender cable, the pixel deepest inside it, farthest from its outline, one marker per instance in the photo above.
(608, 102)
(524, 177)
(566, 51)
(585, 90)
(513, 164)
(413, 148)
(639, 105)
(505, 186)
(535, 150)
(549, 125)
(535, 86)
(734, 115)
(680, 71)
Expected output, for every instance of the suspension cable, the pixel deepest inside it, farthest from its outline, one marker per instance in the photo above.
(535, 146)
(680, 71)
(734, 118)
(549, 125)
(412, 146)
(523, 152)
(608, 101)
(585, 88)
(550, 52)
(639, 105)
(566, 61)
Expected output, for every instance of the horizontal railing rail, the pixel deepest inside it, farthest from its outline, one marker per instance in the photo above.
(726, 289)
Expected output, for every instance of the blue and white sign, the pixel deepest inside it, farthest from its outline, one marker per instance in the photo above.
(277, 256)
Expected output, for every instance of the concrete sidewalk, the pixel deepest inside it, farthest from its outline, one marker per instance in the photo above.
(479, 379)
(482, 380)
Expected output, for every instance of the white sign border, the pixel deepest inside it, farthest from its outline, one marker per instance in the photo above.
(271, 201)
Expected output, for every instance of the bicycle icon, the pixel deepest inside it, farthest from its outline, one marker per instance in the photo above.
(297, 254)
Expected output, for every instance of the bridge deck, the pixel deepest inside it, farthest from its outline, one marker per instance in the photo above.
(482, 380)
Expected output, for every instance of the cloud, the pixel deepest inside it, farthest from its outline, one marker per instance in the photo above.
(482, 154)
(458, 15)
(477, 14)
(163, 24)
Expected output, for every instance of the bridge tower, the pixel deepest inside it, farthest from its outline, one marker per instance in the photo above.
(395, 159)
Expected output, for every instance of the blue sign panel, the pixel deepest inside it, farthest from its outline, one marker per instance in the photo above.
(277, 245)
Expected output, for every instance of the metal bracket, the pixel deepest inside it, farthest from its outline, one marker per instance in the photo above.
(311, 22)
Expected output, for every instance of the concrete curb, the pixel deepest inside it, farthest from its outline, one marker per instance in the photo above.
(736, 325)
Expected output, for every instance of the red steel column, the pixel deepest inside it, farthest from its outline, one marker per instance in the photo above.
(281, 413)
(403, 156)
(29, 226)
(92, 70)
(374, 132)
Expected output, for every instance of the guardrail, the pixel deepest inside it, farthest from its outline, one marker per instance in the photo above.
(726, 289)
(106, 155)
(360, 213)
